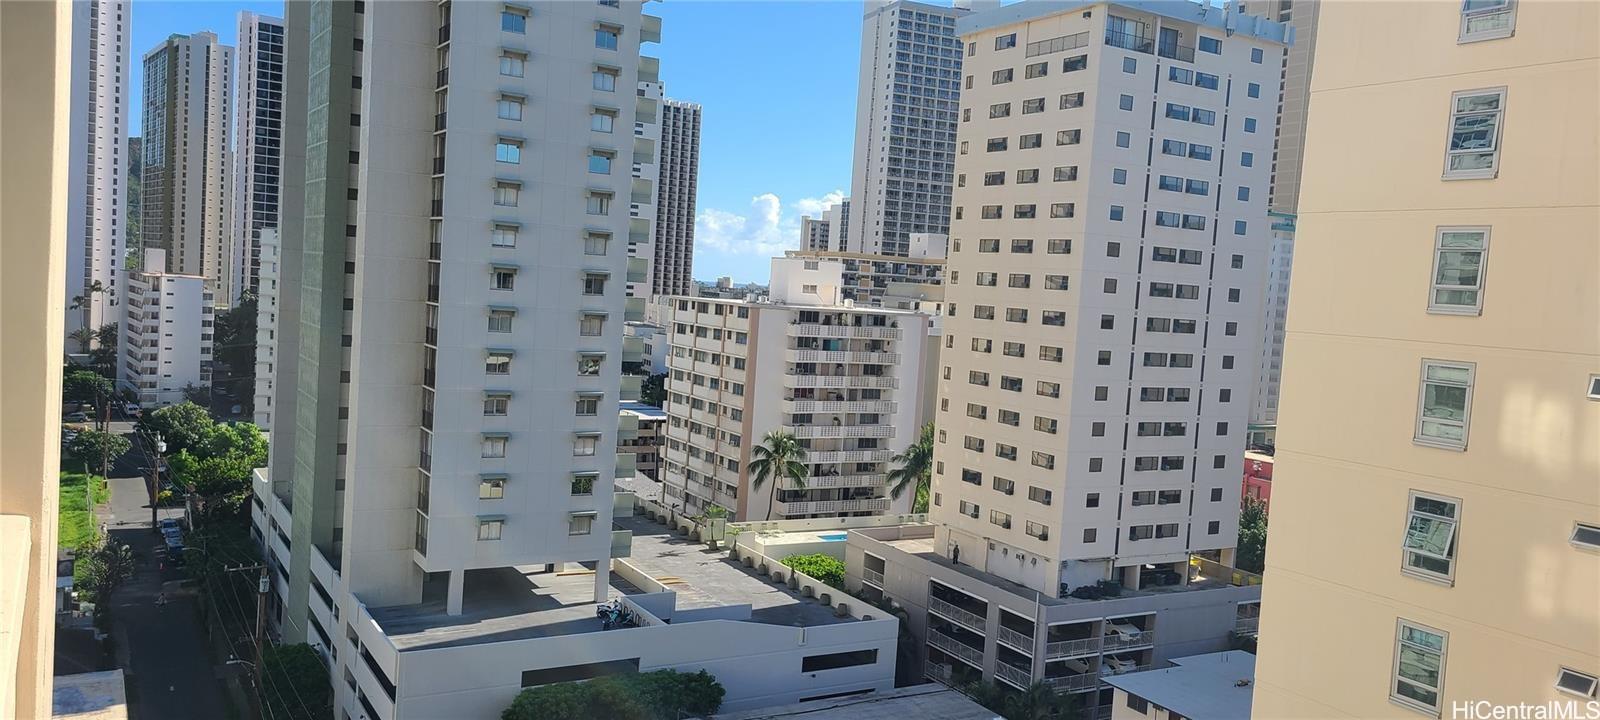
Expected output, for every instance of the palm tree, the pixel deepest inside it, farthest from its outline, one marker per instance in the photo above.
(778, 456)
(914, 468)
(82, 336)
(1038, 702)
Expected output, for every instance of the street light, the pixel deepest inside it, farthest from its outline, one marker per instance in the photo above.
(155, 482)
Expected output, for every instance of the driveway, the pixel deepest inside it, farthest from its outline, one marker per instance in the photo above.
(162, 649)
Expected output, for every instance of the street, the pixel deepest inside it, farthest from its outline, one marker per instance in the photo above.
(162, 649)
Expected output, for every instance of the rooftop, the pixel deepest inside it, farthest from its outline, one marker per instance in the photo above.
(929, 700)
(1214, 686)
(647, 412)
(1199, 13)
(90, 696)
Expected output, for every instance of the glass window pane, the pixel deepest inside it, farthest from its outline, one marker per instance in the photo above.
(1445, 373)
(1430, 535)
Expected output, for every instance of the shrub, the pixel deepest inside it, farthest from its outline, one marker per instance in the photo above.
(657, 695)
(826, 568)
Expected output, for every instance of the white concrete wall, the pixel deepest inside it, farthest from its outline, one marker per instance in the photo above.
(806, 282)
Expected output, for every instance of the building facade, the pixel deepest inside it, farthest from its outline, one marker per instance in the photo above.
(1294, 95)
(646, 426)
(643, 205)
(167, 332)
(96, 238)
(672, 272)
(905, 125)
(1449, 409)
(258, 158)
(813, 234)
(1274, 322)
(187, 157)
(268, 310)
(866, 279)
(1104, 288)
(837, 216)
(846, 381)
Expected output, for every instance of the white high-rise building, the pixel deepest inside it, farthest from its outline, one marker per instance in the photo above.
(813, 234)
(166, 333)
(838, 218)
(258, 158)
(1274, 317)
(1105, 287)
(846, 381)
(270, 264)
(905, 125)
(643, 228)
(187, 157)
(679, 161)
(97, 181)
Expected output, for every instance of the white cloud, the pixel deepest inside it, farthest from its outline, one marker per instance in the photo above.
(765, 229)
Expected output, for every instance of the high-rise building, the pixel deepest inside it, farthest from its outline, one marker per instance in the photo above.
(1435, 544)
(679, 160)
(98, 184)
(642, 203)
(813, 234)
(167, 330)
(1274, 316)
(905, 125)
(268, 310)
(838, 218)
(258, 158)
(37, 58)
(1104, 286)
(847, 382)
(187, 157)
(1294, 95)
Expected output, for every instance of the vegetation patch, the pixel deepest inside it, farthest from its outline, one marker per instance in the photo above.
(657, 695)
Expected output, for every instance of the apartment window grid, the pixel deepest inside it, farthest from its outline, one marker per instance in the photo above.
(1444, 404)
(1430, 537)
(1458, 265)
(1417, 677)
(1476, 124)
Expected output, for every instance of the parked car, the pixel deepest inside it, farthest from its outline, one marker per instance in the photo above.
(76, 417)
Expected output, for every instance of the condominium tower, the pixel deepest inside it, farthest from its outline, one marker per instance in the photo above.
(642, 203)
(97, 212)
(1435, 549)
(1104, 288)
(846, 381)
(449, 371)
(258, 158)
(837, 216)
(167, 330)
(813, 233)
(679, 161)
(187, 121)
(905, 124)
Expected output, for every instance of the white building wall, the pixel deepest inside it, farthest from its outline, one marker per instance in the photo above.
(267, 326)
(257, 160)
(167, 334)
(677, 192)
(97, 165)
(1275, 314)
(643, 202)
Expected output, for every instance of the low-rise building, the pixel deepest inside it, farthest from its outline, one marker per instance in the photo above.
(1214, 686)
(847, 381)
(1258, 477)
(166, 332)
(654, 341)
(644, 443)
(869, 279)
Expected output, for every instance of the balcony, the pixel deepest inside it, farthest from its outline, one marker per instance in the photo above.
(441, 78)
(632, 349)
(1015, 639)
(627, 427)
(1017, 677)
(840, 431)
(872, 576)
(632, 385)
(438, 122)
(1129, 41)
(621, 543)
(839, 456)
(837, 481)
(650, 29)
(626, 466)
(840, 406)
(842, 356)
(1073, 683)
(1118, 642)
(939, 672)
(844, 331)
(817, 507)
(956, 648)
(1175, 51)
(967, 619)
(1072, 648)
(638, 270)
(633, 309)
(1247, 626)
(649, 67)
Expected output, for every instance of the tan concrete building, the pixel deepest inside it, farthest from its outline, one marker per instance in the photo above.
(35, 68)
(1436, 515)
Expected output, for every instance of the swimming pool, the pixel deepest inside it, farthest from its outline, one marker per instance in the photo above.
(833, 536)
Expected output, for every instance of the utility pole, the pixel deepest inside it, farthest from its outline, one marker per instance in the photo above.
(263, 586)
(155, 482)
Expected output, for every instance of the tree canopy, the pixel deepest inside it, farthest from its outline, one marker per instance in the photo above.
(85, 386)
(656, 695)
(1252, 553)
(93, 446)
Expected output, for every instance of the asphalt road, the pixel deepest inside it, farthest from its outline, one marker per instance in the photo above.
(163, 648)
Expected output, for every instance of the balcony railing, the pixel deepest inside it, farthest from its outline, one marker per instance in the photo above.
(1129, 41)
(1015, 639)
(839, 456)
(1073, 683)
(814, 507)
(442, 78)
(844, 356)
(1119, 642)
(844, 331)
(839, 406)
(956, 648)
(1175, 51)
(1071, 648)
(840, 431)
(444, 33)
(438, 122)
(837, 481)
(939, 672)
(843, 381)
(872, 576)
(1247, 625)
(1016, 676)
(965, 618)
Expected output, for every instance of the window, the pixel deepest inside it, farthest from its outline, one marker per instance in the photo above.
(1058, 246)
(589, 363)
(1418, 666)
(1576, 683)
(504, 278)
(1444, 404)
(585, 445)
(1239, 227)
(1256, 55)
(1138, 704)
(491, 488)
(592, 325)
(594, 284)
(1048, 389)
(1125, 102)
(494, 446)
(994, 178)
(995, 145)
(1054, 318)
(1000, 77)
(831, 661)
(497, 363)
(1061, 210)
(600, 161)
(1071, 100)
(594, 243)
(1178, 112)
(505, 193)
(1023, 212)
(1130, 65)
(508, 151)
(490, 529)
(1039, 495)
(1116, 212)
(605, 37)
(1458, 255)
(1209, 45)
(605, 79)
(1000, 110)
(602, 120)
(1036, 105)
(1027, 142)
(1474, 148)
(509, 107)
(512, 63)
(496, 405)
(1068, 137)
(1028, 176)
(969, 509)
(1247, 159)
(1044, 460)
(1253, 90)
(1055, 282)
(1075, 63)
(1587, 536)
(1244, 193)
(1036, 70)
(1049, 353)
(503, 235)
(599, 203)
(580, 523)
(1005, 42)
(1066, 173)
(500, 320)
(1123, 139)
(1429, 547)
(514, 20)
(999, 518)
(1045, 425)
(1487, 20)
(1249, 125)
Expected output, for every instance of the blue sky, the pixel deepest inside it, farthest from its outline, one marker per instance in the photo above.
(778, 84)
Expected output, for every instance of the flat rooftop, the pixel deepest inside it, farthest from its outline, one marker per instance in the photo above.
(521, 603)
(930, 700)
(1214, 686)
(642, 410)
(90, 696)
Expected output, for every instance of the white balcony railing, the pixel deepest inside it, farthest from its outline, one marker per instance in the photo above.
(840, 431)
(939, 672)
(843, 331)
(838, 456)
(843, 356)
(1118, 642)
(1071, 648)
(814, 507)
(956, 648)
(872, 576)
(1018, 677)
(1017, 641)
(843, 381)
(837, 481)
(969, 620)
(1073, 683)
(840, 406)
(1247, 625)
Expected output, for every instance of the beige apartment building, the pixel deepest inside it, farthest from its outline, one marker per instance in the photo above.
(1436, 515)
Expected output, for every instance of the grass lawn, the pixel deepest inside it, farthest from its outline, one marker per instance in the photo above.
(77, 518)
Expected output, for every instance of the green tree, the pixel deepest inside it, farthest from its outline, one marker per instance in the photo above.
(95, 446)
(778, 456)
(1038, 702)
(82, 302)
(826, 568)
(302, 682)
(1252, 554)
(82, 336)
(104, 354)
(657, 695)
(183, 426)
(914, 466)
(235, 348)
(654, 390)
(85, 386)
(100, 569)
(240, 438)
